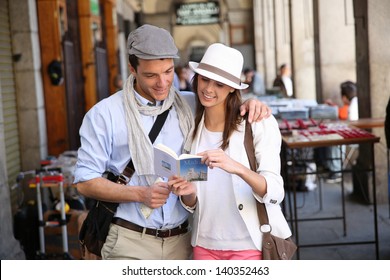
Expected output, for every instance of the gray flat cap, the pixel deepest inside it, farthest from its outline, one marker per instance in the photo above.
(151, 42)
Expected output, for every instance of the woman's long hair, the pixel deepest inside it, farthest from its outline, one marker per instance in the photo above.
(232, 115)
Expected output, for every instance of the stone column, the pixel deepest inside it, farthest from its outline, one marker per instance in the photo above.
(335, 47)
(302, 38)
(373, 72)
(28, 80)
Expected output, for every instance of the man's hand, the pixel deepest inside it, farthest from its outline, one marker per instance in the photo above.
(256, 110)
(156, 195)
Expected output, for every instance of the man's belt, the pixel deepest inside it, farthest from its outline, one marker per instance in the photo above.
(162, 233)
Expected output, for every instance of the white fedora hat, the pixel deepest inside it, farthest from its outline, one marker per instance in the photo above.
(221, 63)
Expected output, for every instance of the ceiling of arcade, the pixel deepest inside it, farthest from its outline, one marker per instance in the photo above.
(191, 37)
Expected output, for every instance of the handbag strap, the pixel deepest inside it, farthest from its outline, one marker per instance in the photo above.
(158, 124)
(250, 152)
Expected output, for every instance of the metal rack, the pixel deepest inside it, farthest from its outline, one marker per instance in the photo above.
(48, 178)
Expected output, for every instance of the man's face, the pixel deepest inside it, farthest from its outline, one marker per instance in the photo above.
(249, 76)
(345, 100)
(154, 78)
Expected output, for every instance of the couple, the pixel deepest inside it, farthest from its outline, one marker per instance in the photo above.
(116, 129)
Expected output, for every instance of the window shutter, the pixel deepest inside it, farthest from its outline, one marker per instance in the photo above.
(8, 99)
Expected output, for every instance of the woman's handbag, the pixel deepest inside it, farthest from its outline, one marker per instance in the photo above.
(273, 247)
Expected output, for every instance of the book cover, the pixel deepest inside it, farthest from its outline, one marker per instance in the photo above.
(167, 163)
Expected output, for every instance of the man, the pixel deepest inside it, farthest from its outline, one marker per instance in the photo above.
(330, 156)
(349, 97)
(255, 82)
(283, 81)
(151, 222)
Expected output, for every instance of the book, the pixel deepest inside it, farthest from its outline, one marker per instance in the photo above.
(167, 163)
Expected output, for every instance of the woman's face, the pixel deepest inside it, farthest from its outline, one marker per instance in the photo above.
(212, 93)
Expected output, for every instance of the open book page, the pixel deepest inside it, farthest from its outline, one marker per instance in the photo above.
(168, 163)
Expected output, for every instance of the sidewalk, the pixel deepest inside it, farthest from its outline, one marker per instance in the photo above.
(359, 225)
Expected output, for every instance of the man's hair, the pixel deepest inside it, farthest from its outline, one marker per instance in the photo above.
(247, 70)
(134, 62)
(348, 89)
(284, 65)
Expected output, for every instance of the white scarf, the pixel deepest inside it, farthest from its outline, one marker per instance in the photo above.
(141, 148)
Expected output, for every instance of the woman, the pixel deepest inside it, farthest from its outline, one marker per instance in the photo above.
(226, 225)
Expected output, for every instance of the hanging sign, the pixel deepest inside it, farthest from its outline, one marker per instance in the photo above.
(197, 13)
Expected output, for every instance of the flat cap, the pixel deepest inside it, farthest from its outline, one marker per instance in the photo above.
(151, 42)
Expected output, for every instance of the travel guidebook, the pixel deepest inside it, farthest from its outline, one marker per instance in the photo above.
(167, 163)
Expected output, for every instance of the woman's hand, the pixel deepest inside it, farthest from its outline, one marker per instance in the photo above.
(183, 188)
(180, 186)
(218, 158)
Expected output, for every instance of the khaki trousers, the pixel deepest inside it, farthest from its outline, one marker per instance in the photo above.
(122, 243)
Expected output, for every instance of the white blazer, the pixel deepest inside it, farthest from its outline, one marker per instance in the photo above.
(267, 143)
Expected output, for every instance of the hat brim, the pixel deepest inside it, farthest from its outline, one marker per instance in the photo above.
(194, 67)
(152, 57)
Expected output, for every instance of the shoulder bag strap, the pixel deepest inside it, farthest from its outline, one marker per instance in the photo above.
(250, 151)
(158, 124)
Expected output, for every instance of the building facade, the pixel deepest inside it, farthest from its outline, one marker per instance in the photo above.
(59, 57)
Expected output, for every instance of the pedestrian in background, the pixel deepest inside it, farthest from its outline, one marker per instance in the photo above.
(255, 82)
(283, 81)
